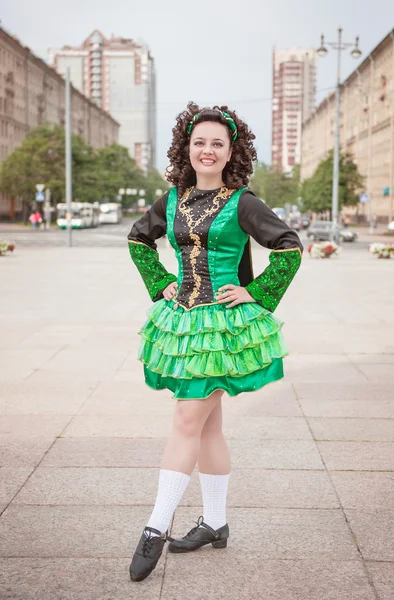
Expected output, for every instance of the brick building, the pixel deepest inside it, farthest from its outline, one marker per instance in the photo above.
(366, 129)
(32, 93)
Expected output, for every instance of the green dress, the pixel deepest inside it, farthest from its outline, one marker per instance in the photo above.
(192, 345)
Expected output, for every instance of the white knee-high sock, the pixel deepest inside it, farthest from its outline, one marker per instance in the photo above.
(214, 495)
(172, 485)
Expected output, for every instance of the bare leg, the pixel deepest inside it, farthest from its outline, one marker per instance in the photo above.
(214, 456)
(183, 445)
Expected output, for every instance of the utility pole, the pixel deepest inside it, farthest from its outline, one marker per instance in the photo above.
(68, 158)
(356, 53)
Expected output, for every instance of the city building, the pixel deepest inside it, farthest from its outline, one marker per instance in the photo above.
(366, 130)
(119, 75)
(32, 93)
(294, 94)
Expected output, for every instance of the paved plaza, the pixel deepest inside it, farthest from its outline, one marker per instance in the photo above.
(311, 494)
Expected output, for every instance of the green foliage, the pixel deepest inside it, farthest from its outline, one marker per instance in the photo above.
(274, 187)
(115, 169)
(96, 174)
(316, 191)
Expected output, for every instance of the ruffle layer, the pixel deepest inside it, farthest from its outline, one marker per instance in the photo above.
(210, 341)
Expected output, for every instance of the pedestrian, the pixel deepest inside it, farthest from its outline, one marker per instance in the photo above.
(35, 219)
(211, 329)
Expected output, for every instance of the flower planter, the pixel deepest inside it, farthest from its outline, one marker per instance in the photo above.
(322, 249)
(381, 250)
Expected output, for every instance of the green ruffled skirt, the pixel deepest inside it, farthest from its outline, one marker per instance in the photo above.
(193, 353)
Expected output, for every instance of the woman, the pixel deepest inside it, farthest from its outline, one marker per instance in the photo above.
(211, 329)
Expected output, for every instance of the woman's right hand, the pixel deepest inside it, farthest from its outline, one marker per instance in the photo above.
(170, 291)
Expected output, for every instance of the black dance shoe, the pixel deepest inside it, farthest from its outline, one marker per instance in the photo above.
(147, 553)
(199, 536)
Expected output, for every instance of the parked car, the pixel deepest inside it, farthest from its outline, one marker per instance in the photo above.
(322, 231)
(295, 224)
(347, 235)
(306, 221)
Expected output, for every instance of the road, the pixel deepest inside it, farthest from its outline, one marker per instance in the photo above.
(115, 236)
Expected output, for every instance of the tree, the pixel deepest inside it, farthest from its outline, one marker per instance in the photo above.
(316, 191)
(274, 187)
(154, 181)
(40, 159)
(116, 169)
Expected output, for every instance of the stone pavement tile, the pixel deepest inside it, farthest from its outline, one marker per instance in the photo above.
(90, 486)
(11, 480)
(381, 373)
(93, 364)
(271, 489)
(17, 451)
(357, 456)
(382, 574)
(360, 359)
(277, 400)
(119, 426)
(13, 335)
(57, 335)
(19, 364)
(121, 398)
(75, 579)
(367, 409)
(260, 428)
(105, 452)
(375, 430)
(374, 531)
(281, 533)
(33, 425)
(365, 490)
(275, 454)
(303, 359)
(71, 531)
(45, 375)
(51, 397)
(236, 575)
(324, 373)
(134, 376)
(344, 391)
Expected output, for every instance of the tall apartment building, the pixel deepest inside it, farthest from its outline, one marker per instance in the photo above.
(32, 93)
(366, 129)
(119, 76)
(294, 94)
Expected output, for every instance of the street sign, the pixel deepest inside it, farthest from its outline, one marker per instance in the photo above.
(40, 187)
(364, 198)
(40, 196)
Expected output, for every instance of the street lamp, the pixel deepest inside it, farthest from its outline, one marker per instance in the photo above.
(355, 53)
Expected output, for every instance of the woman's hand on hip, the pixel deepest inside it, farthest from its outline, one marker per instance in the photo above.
(234, 294)
(170, 291)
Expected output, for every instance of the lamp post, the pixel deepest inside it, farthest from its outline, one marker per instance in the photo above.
(355, 53)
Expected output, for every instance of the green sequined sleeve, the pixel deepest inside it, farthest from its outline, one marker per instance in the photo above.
(259, 221)
(143, 249)
(152, 271)
(269, 287)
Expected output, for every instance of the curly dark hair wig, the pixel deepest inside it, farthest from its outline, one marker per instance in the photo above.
(238, 170)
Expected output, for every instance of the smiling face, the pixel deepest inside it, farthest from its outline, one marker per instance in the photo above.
(209, 149)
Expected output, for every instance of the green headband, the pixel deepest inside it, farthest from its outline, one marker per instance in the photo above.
(229, 122)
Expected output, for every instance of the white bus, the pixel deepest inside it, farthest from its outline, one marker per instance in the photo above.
(83, 214)
(110, 212)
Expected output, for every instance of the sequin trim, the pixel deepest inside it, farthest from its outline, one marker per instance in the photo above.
(270, 287)
(186, 211)
(153, 272)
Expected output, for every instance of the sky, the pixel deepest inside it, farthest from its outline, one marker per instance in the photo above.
(210, 51)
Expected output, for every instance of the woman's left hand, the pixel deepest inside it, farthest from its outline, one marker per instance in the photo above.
(234, 294)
